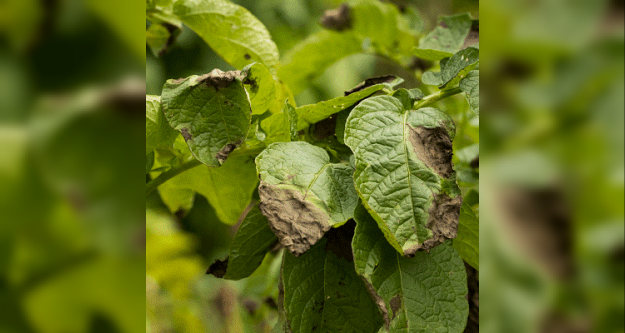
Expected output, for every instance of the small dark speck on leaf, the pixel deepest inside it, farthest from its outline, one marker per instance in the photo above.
(247, 56)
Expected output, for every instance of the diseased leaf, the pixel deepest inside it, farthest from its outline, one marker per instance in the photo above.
(309, 58)
(448, 37)
(302, 194)
(426, 293)
(231, 31)
(228, 189)
(323, 293)
(262, 88)
(249, 246)
(158, 133)
(468, 241)
(404, 172)
(470, 84)
(211, 111)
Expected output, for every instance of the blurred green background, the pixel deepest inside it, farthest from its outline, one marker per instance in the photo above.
(71, 166)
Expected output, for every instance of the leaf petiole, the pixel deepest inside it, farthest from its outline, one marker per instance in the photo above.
(427, 100)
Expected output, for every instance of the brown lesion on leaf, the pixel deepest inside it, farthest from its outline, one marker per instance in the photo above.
(433, 147)
(218, 268)
(222, 155)
(443, 221)
(395, 304)
(338, 19)
(297, 222)
(247, 56)
(220, 79)
(371, 82)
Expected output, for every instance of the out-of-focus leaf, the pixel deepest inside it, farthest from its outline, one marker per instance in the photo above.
(467, 243)
(228, 188)
(404, 172)
(426, 293)
(160, 37)
(262, 88)
(67, 302)
(470, 84)
(323, 293)
(231, 31)
(249, 246)
(302, 194)
(433, 55)
(375, 27)
(211, 111)
(309, 59)
(158, 133)
(124, 22)
(447, 37)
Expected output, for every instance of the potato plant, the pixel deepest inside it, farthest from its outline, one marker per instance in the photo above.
(360, 191)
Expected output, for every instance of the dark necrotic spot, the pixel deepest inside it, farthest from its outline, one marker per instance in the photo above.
(395, 305)
(247, 56)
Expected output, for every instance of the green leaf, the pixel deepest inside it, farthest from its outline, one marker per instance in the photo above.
(211, 111)
(278, 125)
(425, 293)
(158, 133)
(470, 84)
(432, 78)
(404, 172)
(291, 114)
(448, 37)
(341, 121)
(252, 241)
(453, 69)
(262, 88)
(459, 65)
(231, 31)
(302, 194)
(309, 58)
(323, 293)
(432, 55)
(468, 241)
(228, 189)
(160, 37)
(312, 113)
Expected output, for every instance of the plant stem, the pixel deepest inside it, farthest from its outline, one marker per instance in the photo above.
(427, 100)
(167, 175)
(178, 169)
